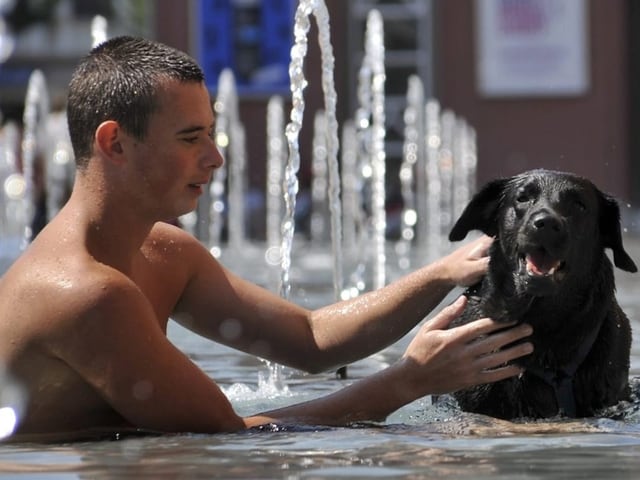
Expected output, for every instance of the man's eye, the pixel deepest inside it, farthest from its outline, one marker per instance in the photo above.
(191, 139)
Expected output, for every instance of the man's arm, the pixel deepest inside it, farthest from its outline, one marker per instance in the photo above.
(120, 350)
(436, 361)
(115, 343)
(225, 308)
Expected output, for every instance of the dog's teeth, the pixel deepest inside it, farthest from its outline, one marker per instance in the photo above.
(540, 266)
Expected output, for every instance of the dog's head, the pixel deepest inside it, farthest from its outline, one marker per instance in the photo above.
(549, 226)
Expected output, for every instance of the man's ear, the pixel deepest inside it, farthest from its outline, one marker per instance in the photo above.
(108, 141)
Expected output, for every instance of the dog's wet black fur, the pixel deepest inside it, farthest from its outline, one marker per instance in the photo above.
(549, 268)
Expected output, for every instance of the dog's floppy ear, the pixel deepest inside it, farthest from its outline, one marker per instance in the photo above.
(611, 233)
(482, 211)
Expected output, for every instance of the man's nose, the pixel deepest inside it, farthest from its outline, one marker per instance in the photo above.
(214, 157)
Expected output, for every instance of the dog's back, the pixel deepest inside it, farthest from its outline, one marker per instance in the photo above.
(549, 268)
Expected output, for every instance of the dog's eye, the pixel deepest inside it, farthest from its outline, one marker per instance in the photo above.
(580, 205)
(523, 197)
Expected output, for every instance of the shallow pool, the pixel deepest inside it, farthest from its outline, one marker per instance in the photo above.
(419, 441)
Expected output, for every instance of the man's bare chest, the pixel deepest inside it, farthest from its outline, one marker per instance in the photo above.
(160, 284)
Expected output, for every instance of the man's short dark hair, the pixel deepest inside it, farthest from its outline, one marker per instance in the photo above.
(119, 80)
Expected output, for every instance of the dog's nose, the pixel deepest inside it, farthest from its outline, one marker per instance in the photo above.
(546, 221)
(547, 228)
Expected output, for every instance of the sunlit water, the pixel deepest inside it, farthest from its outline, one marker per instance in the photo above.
(419, 441)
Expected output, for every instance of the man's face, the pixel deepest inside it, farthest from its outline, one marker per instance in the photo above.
(176, 159)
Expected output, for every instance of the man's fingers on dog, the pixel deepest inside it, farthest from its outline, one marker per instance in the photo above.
(482, 248)
(500, 373)
(448, 314)
(482, 327)
(499, 358)
(498, 340)
(490, 347)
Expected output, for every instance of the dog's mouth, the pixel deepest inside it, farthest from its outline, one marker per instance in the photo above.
(539, 263)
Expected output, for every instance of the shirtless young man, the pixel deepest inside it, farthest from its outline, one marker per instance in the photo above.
(84, 311)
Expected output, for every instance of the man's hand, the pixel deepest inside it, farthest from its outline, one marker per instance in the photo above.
(443, 361)
(467, 264)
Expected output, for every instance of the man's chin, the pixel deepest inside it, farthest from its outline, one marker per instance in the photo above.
(183, 217)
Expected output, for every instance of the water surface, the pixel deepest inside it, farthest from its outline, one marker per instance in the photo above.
(419, 441)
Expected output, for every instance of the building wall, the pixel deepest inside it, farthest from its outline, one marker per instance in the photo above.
(588, 134)
(171, 19)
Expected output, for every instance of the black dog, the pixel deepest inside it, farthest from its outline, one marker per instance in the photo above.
(548, 268)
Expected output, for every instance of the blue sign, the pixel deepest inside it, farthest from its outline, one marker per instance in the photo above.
(253, 39)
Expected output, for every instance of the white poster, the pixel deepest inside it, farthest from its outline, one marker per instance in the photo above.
(532, 47)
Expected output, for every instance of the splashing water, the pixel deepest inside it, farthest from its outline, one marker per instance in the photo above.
(433, 140)
(319, 211)
(353, 216)
(12, 217)
(412, 172)
(291, 185)
(371, 123)
(464, 152)
(271, 391)
(230, 137)
(375, 53)
(350, 185)
(59, 164)
(237, 186)
(217, 186)
(451, 169)
(275, 164)
(445, 169)
(98, 30)
(36, 110)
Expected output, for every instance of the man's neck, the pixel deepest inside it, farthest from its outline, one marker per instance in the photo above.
(113, 229)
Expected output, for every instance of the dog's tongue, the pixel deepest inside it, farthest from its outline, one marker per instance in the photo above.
(539, 263)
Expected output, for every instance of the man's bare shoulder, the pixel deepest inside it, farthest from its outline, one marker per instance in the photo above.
(176, 256)
(57, 284)
(56, 309)
(168, 240)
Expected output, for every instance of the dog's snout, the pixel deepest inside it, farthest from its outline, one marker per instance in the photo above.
(546, 229)
(546, 221)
